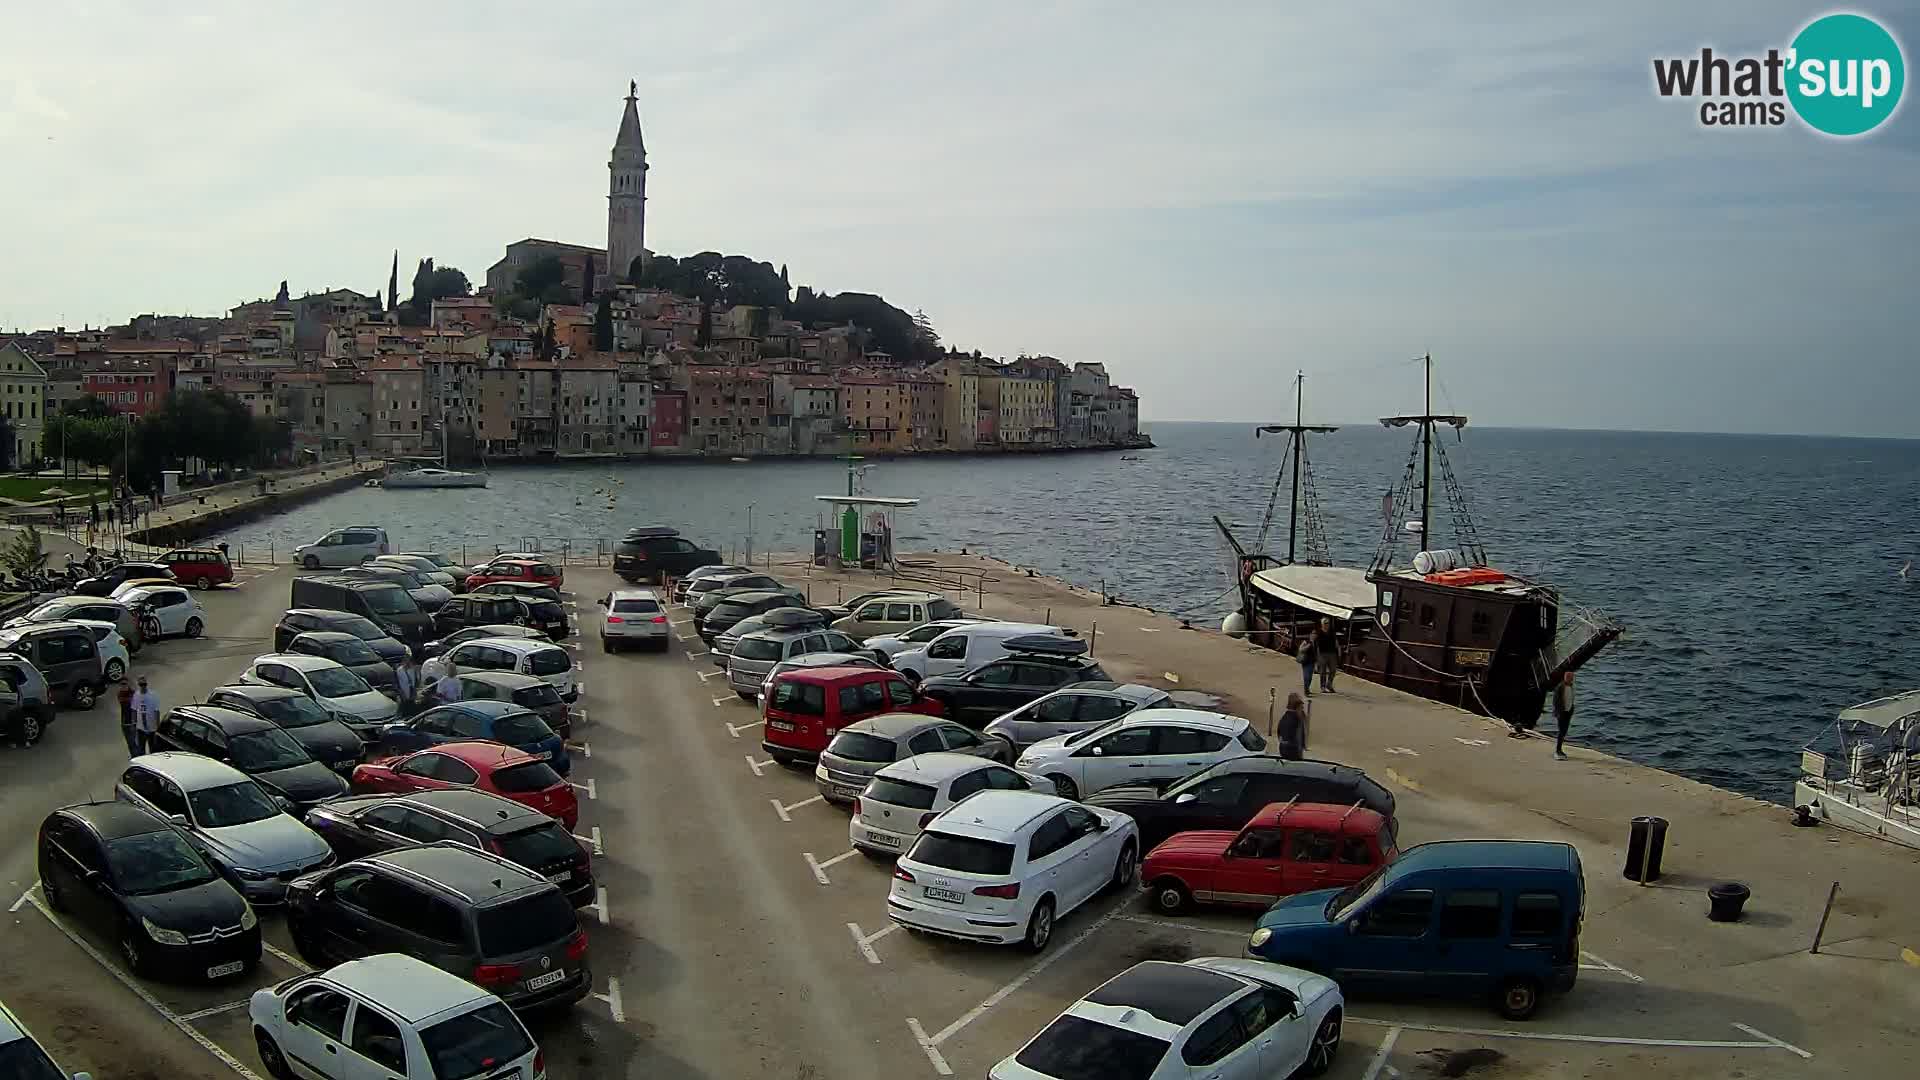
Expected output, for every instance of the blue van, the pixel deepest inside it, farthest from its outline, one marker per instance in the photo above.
(1499, 918)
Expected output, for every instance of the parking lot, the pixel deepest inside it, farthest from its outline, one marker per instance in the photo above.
(736, 933)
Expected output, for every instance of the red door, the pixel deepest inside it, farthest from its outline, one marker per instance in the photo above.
(1310, 861)
(1251, 871)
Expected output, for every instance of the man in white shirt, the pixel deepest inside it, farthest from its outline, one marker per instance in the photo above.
(146, 715)
(447, 688)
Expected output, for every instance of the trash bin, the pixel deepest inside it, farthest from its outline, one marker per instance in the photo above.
(1725, 901)
(1646, 842)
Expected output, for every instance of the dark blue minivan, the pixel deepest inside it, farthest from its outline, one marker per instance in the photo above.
(1495, 918)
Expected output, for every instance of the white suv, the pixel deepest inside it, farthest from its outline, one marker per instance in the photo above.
(633, 616)
(1143, 747)
(389, 1015)
(527, 656)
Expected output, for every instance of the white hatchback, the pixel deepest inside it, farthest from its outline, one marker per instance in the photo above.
(114, 655)
(528, 656)
(891, 645)
(1144, 747)
(1001, 866)
(389, 1016)
(179, 613)
(903, 797)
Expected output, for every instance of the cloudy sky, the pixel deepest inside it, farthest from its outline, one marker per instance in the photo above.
(1206, 197)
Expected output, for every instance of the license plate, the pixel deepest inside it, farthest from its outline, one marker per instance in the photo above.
(232, 968)
(947, 895)
(882, 839)
(846, 792)
(779, 725)
(550, 978)
(561, 878)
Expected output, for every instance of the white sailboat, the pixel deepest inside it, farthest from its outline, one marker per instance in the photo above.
(412, 473)
(1876, 787)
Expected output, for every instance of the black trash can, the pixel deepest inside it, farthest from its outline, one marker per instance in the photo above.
(1725, 900)
(1646, 842)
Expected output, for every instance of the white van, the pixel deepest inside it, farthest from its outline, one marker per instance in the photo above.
(964, 648)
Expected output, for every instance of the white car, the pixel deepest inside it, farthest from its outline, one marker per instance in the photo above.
(904, 796)
(1001, 866)
(347, 697)
(389, 1016)
(633, 616)
(1213, 1016)
(179, 613)
(529, 656)
(1148, 746)
(23, 1055)
(1073, 709)
(964, 648)
(115, 657)
(891, 645)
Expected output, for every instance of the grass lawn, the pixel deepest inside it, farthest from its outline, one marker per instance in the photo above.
(32, 488)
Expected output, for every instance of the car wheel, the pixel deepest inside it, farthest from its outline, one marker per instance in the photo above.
(271, 1057)
(116, 670)
(311, 562)
(30, 730)
(1065, 787)
(1519, 997)
(782, 759)
(876, 854)
(1169, 896)
(606, 646)
(134, 953)
(1040, 927)
(195, 626)
(913, 677)
(83, 696)
(744, 696)
(50, 892)
(1124, 869)
(1006, 753)
(303, 944)
(203, 584)
(1326, 1043)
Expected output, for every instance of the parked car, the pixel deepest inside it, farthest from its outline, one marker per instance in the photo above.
(1145, 747)
(115, 656)
(538, 572)
(1035, 665)
(1212, 1016)
(526, 691)
(864, 747)
(905, 795)
(701, 595)
(1226, 796)
(179, 613)
(756, 654)
(542, 602)
(1072, 709)
(965, 648)
(343, 547)
(466, 721)
(274, 759)
(425, 593)
(530, 590)
(815, 661)
(130, 875)
(463, 635)
(21, 1055)
(385, 603)
(325, 738)
(1287, 848)
(97, 608)
(685, 582)
(26, 703)
(103, 583)
(804, 709)
(349, 652)
(465, 911)
(652, 553)
(1460, 918)
(843, 608)
(739, 605)
(346, 696)
(502, 770)
(202, 568)
(429, 571)
(890, 645)
(297, 621)
(66, 657)
(361, 825)
(410, 1020)
(720, 650)
(475, 609)
(252, 837)
(446, 565)
(501, 557)
(897, 613)
(1001, 866)
(633, 616)
(527, 656)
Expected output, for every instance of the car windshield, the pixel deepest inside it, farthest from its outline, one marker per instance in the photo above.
(22, 1059)
(523, 925)
(155, 862)
(536, 697)
(352, 652)
(636, 607)
(965, 854)
(293, 711)
(475, 1043)
(520, 729)
(230, 804)
(337, 682)
(860, 746)
(545, 843)
(548, 662)
(393, 601)
(1082, 736)
(729, 609)
(364, 629)
(900, 793)
(1355, 892)
(1075, 1048)
(757, 649)
(519, 779)
(265, 751)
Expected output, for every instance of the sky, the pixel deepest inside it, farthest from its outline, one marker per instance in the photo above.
(1206, 197)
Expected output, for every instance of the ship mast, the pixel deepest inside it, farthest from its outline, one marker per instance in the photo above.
(1296, 433)
(1423, 454)
(1426, 457)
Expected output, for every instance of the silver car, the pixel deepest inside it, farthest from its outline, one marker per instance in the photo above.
(819, 660)
(753, 659)
(347, 697)
(424, 568)
(343, 547)
(681, 587)
(793, 618)
(251, 836)
(1071, 709)
(866, 746)
(889, 644)
(633, 616)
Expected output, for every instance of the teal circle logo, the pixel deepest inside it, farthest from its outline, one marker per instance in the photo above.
(1846, 73)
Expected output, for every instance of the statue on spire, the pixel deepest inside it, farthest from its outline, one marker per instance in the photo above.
(633, 89)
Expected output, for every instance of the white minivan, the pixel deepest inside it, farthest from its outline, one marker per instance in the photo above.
(964, 648)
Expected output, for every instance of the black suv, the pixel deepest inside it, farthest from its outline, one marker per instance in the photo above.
(108, 580)
(1035, 665)
(363, 825)
(479, 609)
(255, 746)
(1227, 795)
(326, 740)
(653, 552)
(474, 914)
(743, 605)
(297, 621)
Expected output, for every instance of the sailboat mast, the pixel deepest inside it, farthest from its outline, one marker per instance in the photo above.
(1299, 447)
(1426, 460)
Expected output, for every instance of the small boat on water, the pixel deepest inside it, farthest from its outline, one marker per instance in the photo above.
(1875, 788)
(430, 476)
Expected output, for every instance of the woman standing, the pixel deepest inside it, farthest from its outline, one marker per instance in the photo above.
(1291, 732)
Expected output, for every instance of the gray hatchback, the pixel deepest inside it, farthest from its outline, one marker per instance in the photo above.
(865, 747)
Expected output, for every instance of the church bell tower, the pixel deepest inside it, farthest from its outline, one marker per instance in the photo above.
(626, 194)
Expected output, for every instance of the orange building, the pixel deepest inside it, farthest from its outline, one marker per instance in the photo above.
(878, 410)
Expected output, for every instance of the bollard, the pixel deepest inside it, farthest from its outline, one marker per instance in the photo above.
(1271, 695)
(1821, 930)
(1093, 637)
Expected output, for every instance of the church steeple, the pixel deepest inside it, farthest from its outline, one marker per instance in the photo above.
(627, 193)
(630, 122)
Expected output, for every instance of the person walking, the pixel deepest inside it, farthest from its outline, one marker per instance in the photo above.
(127, 728)
(406, 679)
(1562, 714)
(1291, 732)
(1327, 644)
(447, 690)
(146, 715)
(1304, 652)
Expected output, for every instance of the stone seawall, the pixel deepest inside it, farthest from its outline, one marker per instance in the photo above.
(187, 521)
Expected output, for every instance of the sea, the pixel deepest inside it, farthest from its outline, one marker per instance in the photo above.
(1758, 576)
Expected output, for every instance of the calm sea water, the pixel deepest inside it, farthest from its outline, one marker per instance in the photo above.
(1757, 575)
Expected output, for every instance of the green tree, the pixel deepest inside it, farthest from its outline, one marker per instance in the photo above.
(23, 551)
(92, 405)
(432, 283)
(272, 440)
(603, 324)
(6, 443)
(544, 281)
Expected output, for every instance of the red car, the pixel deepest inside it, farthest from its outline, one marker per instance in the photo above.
(489, 766)
(1287, 848)
(529, 571)
(805, 708)
(200, 568)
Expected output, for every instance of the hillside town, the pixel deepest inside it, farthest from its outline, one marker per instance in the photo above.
(568, 351)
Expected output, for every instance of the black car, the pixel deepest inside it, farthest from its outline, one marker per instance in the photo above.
(297, 621)
(544, 608)
(135, 878)
(530, 692)
(479, 609)
(741, 605)
(257, 747)
(326, 739)
(461, 636)
(472, 913)
(362, 825)
(349, 652)
(1227, 795)
(1034, 666)
(653, 553)
(106, 581)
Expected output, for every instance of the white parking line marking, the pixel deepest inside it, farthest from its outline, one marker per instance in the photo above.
(592, 839)
(286, 958)
(570, 645)
(784, 810)
(719, 701)
(588, 788)
(756, 766)
(1180, 926)
(933, 1052)
(1403, 750)
(1008, 990)
(599, 904)
(735, 729)
(201, 1014)
(1758, 1034)
(1765, 1042)
(679, 637)
(705, 675)
(1471, 742)
(1607, 965)
(820, 868)
(152, 1002)
(864, 942)
(581, 748)
(22, 902)
(580, 686)
(612, 998)
(1380, 1058)
(682, 622)
(691, 655)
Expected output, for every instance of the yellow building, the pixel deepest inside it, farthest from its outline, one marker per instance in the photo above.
(878, 411)
(23, 388)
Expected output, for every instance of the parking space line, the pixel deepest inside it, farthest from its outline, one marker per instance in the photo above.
(1758, 1034)
(784, 810)
(202, 1014)
(612, 998)
(583, 749)
(593, 839)
(756, 766)
(864, 942)
(820, 868)
(1171, 925)
(932, 1050)
(1763, 1042)
(22, 902)
(599, 905)
(151, 1002)
(586, 787)
(720, 701)
(1011, 988)
(286, 958)
(690, 655)
(735, 729)
(1380, 1059)
(705, 675)
(1602, 964)
(682, 622)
